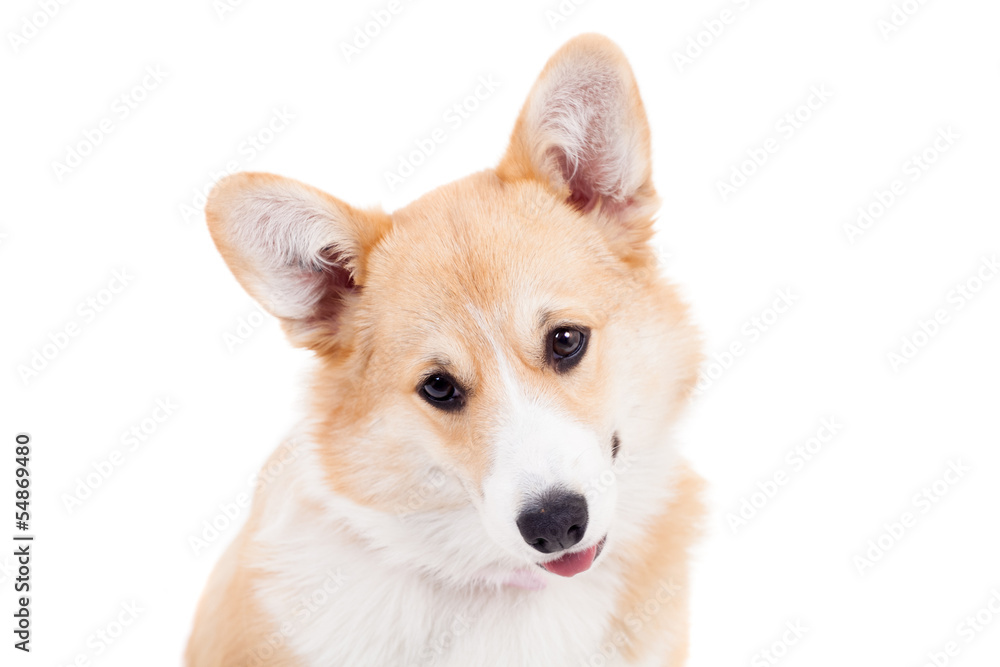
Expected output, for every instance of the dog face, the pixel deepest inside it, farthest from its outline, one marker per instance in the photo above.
(501, 346)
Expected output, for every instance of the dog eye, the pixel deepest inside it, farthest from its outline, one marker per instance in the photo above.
(441, 391)
(566, 347)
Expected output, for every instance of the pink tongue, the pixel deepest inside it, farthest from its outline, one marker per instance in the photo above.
(574, 563)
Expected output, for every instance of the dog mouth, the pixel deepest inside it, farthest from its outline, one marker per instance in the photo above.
(575, 562)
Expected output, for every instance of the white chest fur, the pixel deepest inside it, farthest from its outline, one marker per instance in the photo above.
(359, 614)
(336, 600)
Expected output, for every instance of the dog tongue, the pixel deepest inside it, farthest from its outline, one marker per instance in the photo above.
(574, 563)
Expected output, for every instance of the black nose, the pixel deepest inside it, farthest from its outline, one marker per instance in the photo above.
(553, 522)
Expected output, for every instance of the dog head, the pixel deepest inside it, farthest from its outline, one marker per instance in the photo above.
(499, 360)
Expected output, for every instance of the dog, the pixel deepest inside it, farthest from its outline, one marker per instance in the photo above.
(485, 474)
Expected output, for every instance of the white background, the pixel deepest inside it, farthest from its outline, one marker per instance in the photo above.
(163, 335)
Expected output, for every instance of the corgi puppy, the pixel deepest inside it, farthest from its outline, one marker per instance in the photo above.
(485, 474)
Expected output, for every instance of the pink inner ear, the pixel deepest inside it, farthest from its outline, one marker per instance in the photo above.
(581, 191)
(308, 288)
(584, 120)
(338, 279)
(335, 283)
(583, 195)
(330, 285)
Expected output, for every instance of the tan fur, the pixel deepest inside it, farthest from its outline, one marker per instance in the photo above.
(661, 559)
(510, 260)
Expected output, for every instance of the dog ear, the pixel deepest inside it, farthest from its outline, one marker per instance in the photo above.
(583, 132)
(295, 249)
